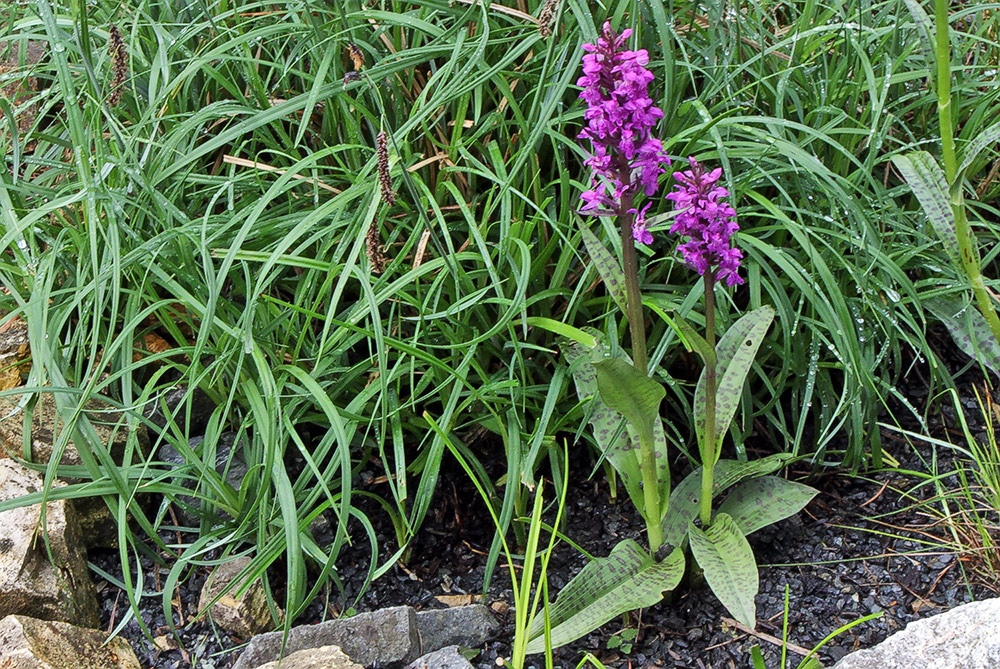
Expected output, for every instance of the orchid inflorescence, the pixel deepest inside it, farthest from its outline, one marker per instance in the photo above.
(620, 116)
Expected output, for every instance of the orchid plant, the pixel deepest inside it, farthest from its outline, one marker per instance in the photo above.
(627, 161)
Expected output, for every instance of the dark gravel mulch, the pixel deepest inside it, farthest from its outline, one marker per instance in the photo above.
(860, 547)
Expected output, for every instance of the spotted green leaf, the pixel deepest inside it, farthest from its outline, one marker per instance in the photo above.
(729, 565)
(618, 442)
(609, 269)
(734, 354)
(628, 579)
(761, 501)
(631, 393)
(685, 497)
(928, 183)
(968, 328)
(988, 136)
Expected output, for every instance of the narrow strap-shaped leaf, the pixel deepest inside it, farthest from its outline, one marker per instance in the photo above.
(685, 497)
(609, 269)
(730, 568)
(928, 183)
(765, 500)
(734, 354)
(966, 325)
(628, 579)
(976, 146)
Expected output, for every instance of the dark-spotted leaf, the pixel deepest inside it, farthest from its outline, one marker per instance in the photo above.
(725, 556)
(928, 183)
(628, 579)
(734, 354)
(968, 328)
(631, 393)
(606, 423)
(685, 497)
(989, 136)
(761, 501)
(609, 269)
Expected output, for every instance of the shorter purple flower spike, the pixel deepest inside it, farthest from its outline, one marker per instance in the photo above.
(708, 221)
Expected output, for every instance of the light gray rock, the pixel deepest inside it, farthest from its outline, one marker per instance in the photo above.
(468, 626)
(21, 89)
(29, 583)
(966, 637)
(47, 423)
(29, 643)
(446, 658)
(243, 616)
(324, 657)
(388, 637)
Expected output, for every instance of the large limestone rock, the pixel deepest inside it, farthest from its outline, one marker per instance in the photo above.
(967, 637)
(468, 626)
(388, 637)
(324, 657)
(46, 423)
(243, 617)
(29, 583)
(29, 643)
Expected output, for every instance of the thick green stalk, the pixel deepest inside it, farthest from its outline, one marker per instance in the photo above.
(968, 252)
(633, 313)
(708, 455)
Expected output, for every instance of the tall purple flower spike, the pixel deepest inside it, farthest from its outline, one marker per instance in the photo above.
(708, 221)
(620, 116)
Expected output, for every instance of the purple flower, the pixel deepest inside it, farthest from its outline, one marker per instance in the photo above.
(708, 220)
(620, 116)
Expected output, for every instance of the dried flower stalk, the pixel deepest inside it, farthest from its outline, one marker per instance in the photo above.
(119, 65)
(382, 158)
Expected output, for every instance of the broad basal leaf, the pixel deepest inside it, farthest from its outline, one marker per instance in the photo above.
(968, 328)
(734, 354)
(930, 187)
(730, 568)
(685, 497)
(628, 579)
(761, 501)
(609, 269)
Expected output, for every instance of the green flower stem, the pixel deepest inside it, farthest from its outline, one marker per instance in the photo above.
(633, 313)
(966, 244)
(708, 455)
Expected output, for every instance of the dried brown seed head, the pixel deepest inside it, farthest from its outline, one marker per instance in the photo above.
(547, 16)
(119, 65)
(357, 57)
(382, 161)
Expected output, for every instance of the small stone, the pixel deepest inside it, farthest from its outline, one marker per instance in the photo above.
(29, 583)
(29, 643)
(242, 617)
(469, 626)
(388, 636)
(228, 461)
(446, 658)
(967, 636)
(173, 405)
(324, 657)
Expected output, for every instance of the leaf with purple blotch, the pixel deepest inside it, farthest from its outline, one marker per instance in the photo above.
(930, 187)
(734, 354)
(989, 136)
(609, 269)
(968, 328)
(765, 500)
(628, 579)
(685, 497)
(730, 569)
